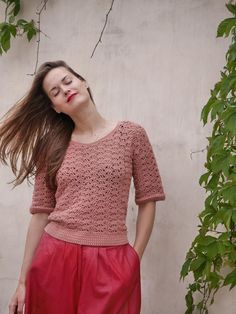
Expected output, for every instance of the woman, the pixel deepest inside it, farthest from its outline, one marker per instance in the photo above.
(77, 255)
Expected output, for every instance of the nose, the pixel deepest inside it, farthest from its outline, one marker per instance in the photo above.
(66, 91)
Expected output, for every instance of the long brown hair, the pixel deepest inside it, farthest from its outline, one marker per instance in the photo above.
(34, 131)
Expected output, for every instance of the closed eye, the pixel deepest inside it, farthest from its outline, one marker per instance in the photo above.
(66, 83)
(56, 94)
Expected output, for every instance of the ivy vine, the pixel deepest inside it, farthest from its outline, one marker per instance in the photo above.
(215, 245)
(12, 27)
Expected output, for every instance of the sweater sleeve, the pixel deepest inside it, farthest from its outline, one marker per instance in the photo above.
(146, 176)
(43, 199)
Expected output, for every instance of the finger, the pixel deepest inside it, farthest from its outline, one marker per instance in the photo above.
(12, 308)
(20, 307)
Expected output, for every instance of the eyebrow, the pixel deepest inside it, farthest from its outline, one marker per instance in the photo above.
(61, 80)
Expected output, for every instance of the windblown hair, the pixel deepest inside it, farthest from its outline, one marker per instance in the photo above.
(34, 131)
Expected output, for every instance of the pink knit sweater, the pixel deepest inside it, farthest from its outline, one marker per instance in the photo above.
(89, 206)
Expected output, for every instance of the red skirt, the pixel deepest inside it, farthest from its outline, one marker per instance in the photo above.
(69, 278)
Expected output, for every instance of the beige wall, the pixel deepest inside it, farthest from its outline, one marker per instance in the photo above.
(156, 65)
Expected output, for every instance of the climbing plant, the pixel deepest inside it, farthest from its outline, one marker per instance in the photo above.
(12, 27)
(215, 245)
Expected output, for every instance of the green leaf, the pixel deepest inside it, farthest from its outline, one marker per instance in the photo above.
(214, 278)
(227, 218)
(209, 199)
(12, 29)
(232, 177)
(190, 310)
(207, 240)
(216, 89)
(197, 263)
(220, 162)
(222, 249)
(189, 300)
(212, 250)
(231, 53)
(225, 27)
(217, 143)
(213, 182)
(5, 45)
(204, 177)
(232, 256)
(190, 255)
(194, 286)
(218, 262)
(228, 83)
(228, 112)
(234, 216)
(230, 279)
(21, 22)
(200, 305)
(5, 40)
(207, 268)
(224, 236)
(185, 268)
(11, 19)
(231, 7)
(230, 123)
(199, 271)
(206, 109)
(208, 213)
(229, 193)
(16, 8)
(3, 26)
(31, 32)
(217, 108)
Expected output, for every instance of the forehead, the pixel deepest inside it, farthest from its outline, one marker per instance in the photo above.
(54, 77)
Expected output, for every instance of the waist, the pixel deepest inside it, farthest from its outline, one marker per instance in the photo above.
(86, 237)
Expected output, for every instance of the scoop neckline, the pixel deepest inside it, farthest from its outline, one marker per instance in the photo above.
(98, 140)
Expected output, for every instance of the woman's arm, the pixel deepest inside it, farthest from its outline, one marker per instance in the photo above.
(144, 225)
(35, 230)
(36, 227)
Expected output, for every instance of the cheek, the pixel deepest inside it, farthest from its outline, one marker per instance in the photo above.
(58, 100)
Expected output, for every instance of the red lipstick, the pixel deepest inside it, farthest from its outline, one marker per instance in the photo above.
(70, 96)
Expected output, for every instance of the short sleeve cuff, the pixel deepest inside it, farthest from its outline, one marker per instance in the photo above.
(155, 197)
(34, 210)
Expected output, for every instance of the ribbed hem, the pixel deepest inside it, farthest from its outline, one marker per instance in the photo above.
(85, 237)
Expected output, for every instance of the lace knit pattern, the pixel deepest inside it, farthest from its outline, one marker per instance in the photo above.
(89, 206)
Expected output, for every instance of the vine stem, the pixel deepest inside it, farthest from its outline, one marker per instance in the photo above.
(206, 296)
(100, 38)
(38, 12)
(198, 151)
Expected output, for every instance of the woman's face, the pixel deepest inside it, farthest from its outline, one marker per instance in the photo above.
(65, 90)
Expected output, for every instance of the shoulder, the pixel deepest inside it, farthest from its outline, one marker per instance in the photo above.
(134, 128)
(136, 134)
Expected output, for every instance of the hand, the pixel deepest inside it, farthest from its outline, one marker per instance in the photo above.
(17, 300)
(139, 254)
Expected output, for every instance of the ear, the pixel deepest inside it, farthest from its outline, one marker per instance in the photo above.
(86, 84)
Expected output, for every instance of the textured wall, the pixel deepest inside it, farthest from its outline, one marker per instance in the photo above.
(156, 65)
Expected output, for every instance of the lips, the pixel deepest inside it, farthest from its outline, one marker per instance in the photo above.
(69, 98)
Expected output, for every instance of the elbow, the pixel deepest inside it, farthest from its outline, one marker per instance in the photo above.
(41, 216)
